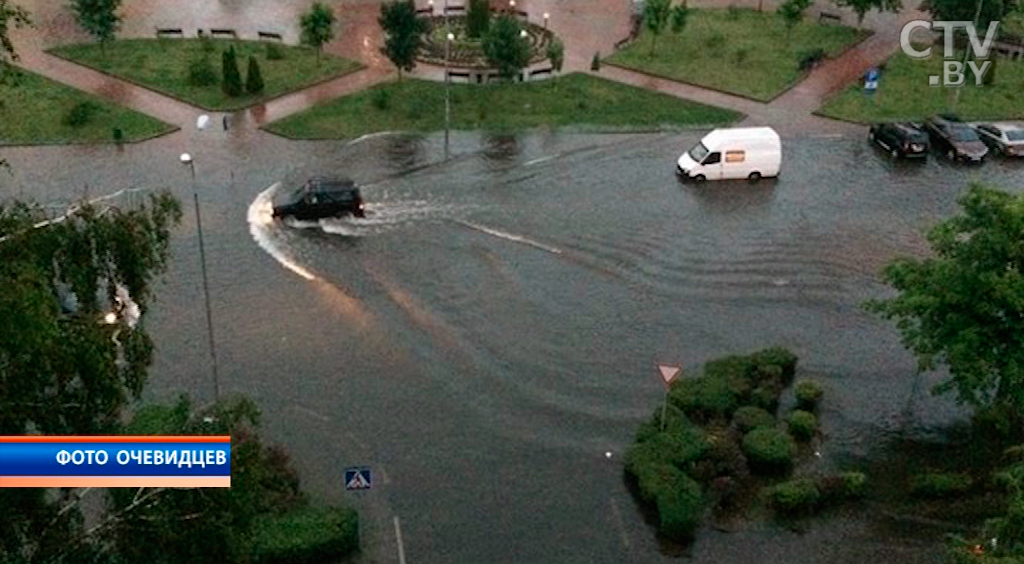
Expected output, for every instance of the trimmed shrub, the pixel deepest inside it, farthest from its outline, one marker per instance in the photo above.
(232, 79)
(725, 457)
(703, 398)
(938, 485)
(679, 448)
(769, 450)
(808, 394)
(749, 417)
(595, 63)
(680, 510)
(802, 424)
(80, 114)
(201, 72)
(478, 18)
(766, 397)
(798, 496)
(274, 52)
(304, 537)
(777, 356)
(675, 421)
(842, 487)
(253, 78)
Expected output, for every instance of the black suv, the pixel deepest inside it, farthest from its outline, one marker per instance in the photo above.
(900, 139)
(322, 197)
(955, 138)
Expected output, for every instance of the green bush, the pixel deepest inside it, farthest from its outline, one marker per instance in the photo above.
(802, 424)
(808, 394)
(940, 485)
(703, 398)
(766, 397)
(274, 52)
(777, 356)
(769, 450)
(304, 537)
(795, 496)
(201, 72)
(842, 487)
(380, 98)
(253, 79)
(680, 448)
(680, 510)
(81, 113)
(750, 417)
(232, 79)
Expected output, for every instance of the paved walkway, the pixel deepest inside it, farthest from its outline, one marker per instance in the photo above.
(586, 27)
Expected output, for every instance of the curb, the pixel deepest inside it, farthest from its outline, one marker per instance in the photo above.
(171, 129)
(361, 67)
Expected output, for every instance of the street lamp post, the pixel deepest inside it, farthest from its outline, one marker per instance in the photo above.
(447, 92)
(430, 4)
(546, 16)
(186, 159)
(967, 50)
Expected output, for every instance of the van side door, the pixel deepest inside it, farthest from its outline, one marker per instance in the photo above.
(712, 165)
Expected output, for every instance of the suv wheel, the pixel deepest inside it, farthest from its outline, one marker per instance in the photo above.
(895, 153)
(951, 154)
(871, 136)
(700, 178)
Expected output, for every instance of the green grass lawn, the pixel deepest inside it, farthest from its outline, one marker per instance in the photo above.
(741, 51)
(575, 99)
(904, 94)
(162, 64)
(33, 113)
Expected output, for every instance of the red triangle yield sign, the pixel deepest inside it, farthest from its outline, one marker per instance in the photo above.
(668, 372)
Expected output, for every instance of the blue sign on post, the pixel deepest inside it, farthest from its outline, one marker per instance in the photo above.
(871, 81)
(357, 478)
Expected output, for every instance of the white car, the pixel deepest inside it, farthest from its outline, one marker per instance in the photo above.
(1003, 138)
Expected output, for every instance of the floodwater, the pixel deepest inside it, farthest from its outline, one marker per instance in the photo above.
(492, 327)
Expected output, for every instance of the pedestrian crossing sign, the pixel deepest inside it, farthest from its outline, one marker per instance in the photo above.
(357, 478)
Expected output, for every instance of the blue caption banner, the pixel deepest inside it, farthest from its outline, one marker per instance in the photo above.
(115, 459)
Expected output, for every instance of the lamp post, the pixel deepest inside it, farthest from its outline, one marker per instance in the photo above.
(447, 92)
(511, 6)
(186, 159)
(430, 4)
(967, 50)
(546, 16)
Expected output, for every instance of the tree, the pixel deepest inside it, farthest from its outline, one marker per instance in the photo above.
(253, 78)
(478, 18)
(556, 54)
(98, 17)
(656, 14)
(862, 7)
(65, 372)
(505, 49)
(12, 16)
(963, 10)
(679, 15)
(232, 81)
(792, 11)
(317, 27)
(404, 33)
(964, 307)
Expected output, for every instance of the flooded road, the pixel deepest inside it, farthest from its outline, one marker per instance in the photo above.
(492, 326)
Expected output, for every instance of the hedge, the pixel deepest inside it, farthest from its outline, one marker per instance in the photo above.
(802, 424)
(795, 496)
(769, 450)
(732, 381)
(842, 487)
(940, 485)
(681, 510)
(749, 417)
(675, 420)
(808, 394)
(306, 536)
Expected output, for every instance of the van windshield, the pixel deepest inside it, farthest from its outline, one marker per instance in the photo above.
(698, 152)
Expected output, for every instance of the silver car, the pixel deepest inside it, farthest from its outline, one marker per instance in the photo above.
(1004, 138)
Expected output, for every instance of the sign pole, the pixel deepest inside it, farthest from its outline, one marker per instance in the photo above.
(667, 372)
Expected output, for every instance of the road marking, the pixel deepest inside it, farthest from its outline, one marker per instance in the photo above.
(383, 475)
(828, 136)
(538, 161)
(401, 547)
(619, 522)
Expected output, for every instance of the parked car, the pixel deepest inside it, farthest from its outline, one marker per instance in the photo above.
(322, 197)
(900, 139)
(1002, 138)
(738, 152)
(956, 139)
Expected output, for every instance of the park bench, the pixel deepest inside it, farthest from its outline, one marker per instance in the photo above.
(827, 17)
(455, 10)
(541, 72)
(622, 43)
(462, 76)
(227, 32)
(269, 35)
(169, 31)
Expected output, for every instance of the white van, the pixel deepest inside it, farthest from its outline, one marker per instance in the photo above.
(739, 152)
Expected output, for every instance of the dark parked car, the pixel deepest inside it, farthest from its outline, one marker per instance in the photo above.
(956, 139)
(900, 139)
(1003, 138)
(323, 197)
